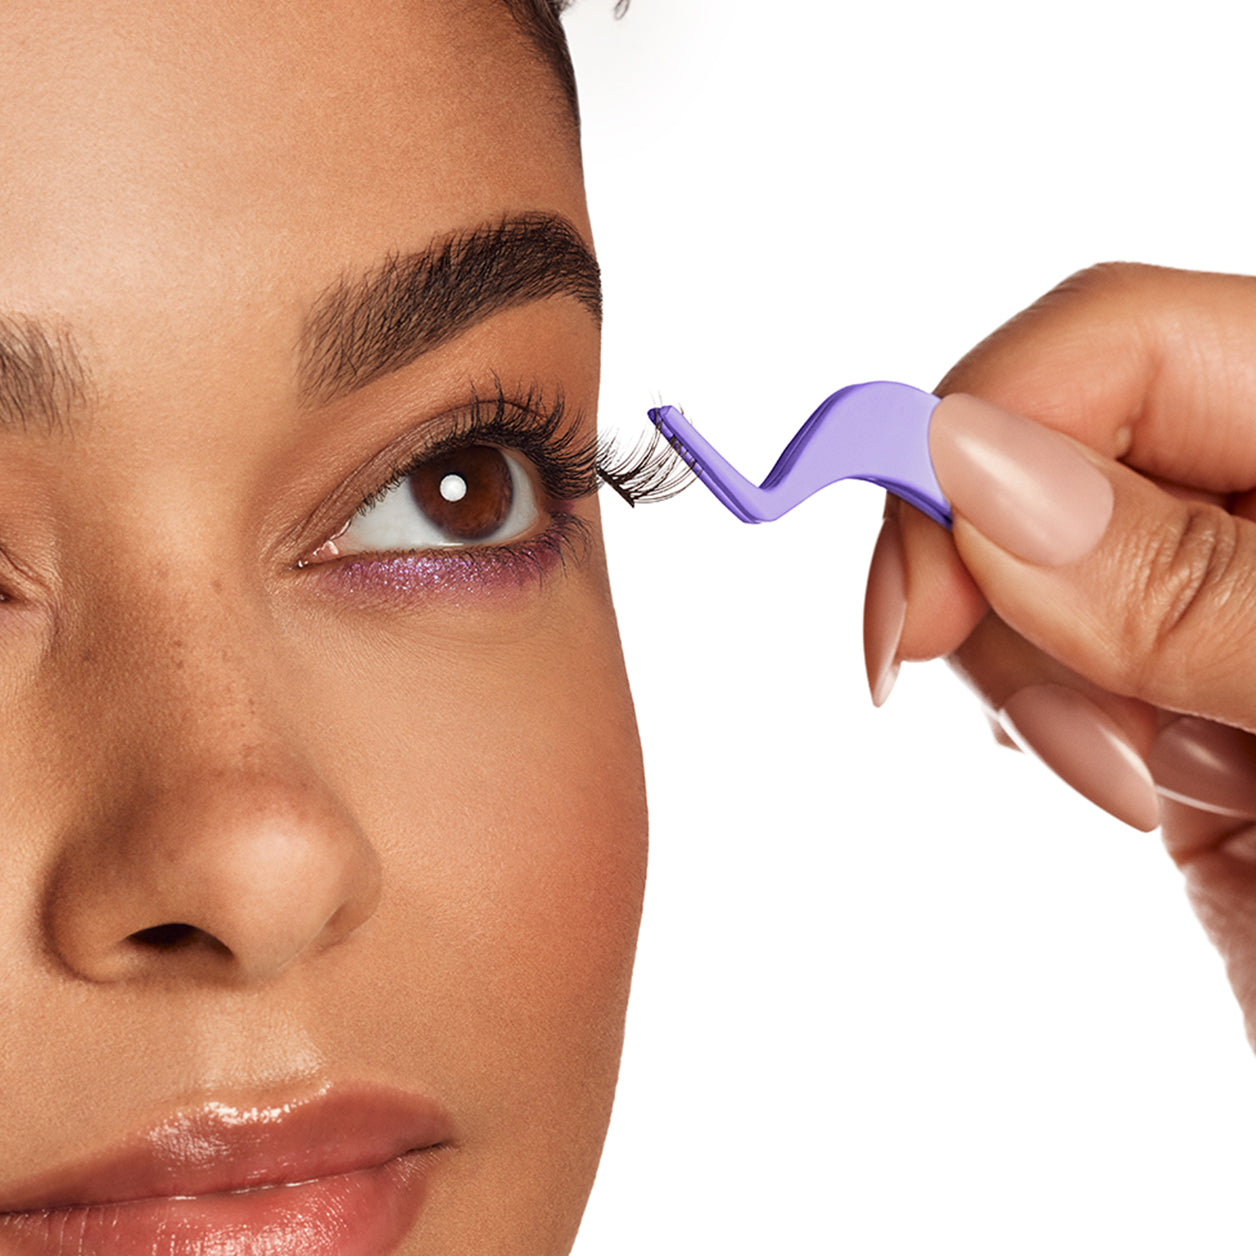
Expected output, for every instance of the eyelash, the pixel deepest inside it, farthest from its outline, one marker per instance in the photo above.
(569, 465)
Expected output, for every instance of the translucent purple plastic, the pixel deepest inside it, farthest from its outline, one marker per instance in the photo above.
(877, 432)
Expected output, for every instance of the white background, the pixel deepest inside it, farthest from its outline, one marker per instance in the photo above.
(898, 990)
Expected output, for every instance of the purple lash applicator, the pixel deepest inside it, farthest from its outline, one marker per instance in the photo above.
(877, 432)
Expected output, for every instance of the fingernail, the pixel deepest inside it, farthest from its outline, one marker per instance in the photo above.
(1086, 748)
(1024, 486)
(885, 611)
(999, 733)
(1207, 765)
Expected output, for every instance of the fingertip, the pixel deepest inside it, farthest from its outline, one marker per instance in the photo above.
(943, 602)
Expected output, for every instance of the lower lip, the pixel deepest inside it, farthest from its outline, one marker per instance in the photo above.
(363, 1213)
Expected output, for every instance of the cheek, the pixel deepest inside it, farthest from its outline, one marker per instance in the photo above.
(518, 840)
(501, 783)
(514, 814)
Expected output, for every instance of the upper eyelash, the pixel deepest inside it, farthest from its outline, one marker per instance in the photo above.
(570, 464)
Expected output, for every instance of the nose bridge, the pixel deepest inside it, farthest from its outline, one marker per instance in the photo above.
(211, 844)
(199, 668)
(163, 675)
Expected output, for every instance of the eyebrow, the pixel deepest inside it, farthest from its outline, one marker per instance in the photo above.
(43, 379)
(370, 325)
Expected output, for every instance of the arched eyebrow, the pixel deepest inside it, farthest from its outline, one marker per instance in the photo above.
(367, 326)
(43, 379)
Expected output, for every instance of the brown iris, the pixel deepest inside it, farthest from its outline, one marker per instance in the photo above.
(466, 492)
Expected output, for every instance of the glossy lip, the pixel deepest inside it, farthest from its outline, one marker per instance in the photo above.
(221, 1148)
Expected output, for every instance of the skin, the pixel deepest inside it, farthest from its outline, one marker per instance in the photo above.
(1151, 372)
(409, 831)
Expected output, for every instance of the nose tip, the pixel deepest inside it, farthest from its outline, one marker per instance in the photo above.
(231, 877)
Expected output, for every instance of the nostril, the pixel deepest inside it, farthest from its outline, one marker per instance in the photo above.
(174, 936)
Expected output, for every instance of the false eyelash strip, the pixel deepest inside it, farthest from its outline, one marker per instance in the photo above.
(652, 470)
(571, 465)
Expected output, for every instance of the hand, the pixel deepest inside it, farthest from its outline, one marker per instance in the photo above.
(1099, 589)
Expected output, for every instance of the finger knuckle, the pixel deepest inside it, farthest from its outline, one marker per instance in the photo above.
(1104, 279)
(1186, 583)
(1041, 360)
(1106, 302)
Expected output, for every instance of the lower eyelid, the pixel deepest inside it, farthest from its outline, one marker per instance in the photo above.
(462, 571)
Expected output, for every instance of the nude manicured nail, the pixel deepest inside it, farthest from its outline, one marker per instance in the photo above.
(885, 610)
(1024, 486)
(1207, 765)
(1086, 748)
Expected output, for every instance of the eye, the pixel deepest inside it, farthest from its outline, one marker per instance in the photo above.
(469, 496)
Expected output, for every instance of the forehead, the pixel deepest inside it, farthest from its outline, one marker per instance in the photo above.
(159, 142)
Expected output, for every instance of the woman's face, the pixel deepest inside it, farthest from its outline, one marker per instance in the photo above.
(314, 854)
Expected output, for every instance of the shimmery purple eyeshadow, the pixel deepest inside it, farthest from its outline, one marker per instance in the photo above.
(469, 572)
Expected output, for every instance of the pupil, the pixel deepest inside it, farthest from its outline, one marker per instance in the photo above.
(466, 492)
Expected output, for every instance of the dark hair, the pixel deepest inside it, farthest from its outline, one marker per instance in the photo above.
(539, 21)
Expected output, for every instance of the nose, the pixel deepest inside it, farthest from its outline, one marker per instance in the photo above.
(209, 847)
(231, 876)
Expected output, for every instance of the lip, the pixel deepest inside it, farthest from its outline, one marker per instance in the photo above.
(343, 1172)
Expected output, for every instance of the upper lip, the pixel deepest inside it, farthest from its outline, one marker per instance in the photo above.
(222, 1146)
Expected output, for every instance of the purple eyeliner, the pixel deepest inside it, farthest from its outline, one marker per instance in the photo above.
(877, 432)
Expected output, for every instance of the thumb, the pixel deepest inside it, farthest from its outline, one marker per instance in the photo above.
(1141, 592)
